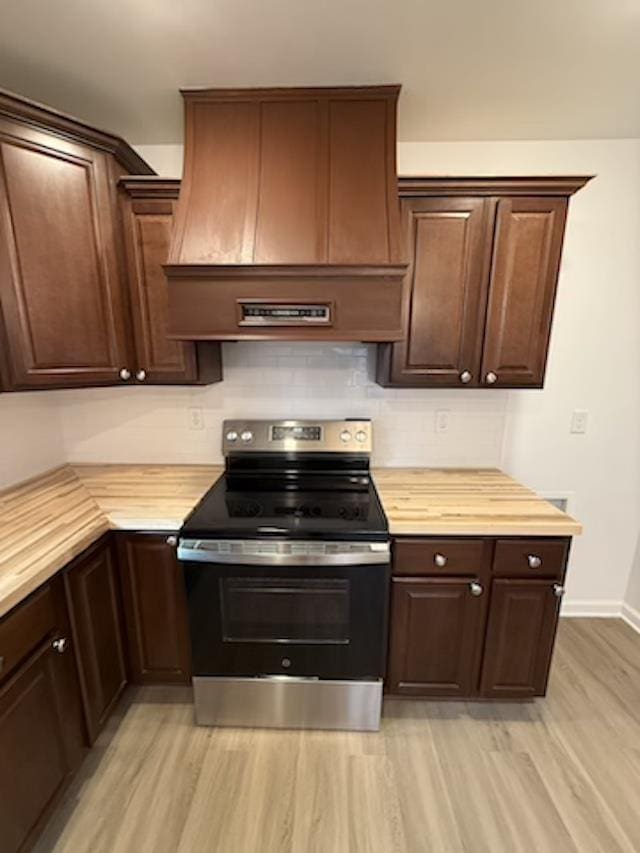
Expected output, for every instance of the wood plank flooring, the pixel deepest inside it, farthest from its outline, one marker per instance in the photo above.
(556, 776)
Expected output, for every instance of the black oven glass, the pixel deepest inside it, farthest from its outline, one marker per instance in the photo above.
(285, 610)
(311, 621)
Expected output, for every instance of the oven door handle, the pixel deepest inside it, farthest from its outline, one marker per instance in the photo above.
(257, 552)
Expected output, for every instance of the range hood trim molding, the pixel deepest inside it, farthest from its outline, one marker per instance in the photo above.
(248, 271)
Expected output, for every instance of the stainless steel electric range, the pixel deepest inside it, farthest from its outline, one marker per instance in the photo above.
(287, 562)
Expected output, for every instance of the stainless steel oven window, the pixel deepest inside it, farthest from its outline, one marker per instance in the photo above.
(285, 610)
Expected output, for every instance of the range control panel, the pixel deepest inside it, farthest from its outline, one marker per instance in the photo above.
(348, 436)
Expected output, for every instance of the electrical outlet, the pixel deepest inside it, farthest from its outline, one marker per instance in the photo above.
(442, 420)
(196, 418)
(579, 421)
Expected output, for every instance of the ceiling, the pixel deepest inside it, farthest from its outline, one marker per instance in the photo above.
(470, 69)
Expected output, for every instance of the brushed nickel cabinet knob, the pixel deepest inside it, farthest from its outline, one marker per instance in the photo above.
(465, 377)
(491, 378)
(125, 374)
(440, 560)
(172, 540)
(141, 375)
(534, 561)
(558, 590)
(60, 645)
(476, 588)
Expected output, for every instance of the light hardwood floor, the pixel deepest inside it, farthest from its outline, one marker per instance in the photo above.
(559, 775)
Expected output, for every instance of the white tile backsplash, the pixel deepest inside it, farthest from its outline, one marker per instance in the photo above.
(264, 380)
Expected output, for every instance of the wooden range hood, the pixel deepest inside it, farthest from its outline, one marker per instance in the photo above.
(288, 224)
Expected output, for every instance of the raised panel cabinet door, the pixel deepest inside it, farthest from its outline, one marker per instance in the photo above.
(148, 209)
(96, 619)
(521, 630)
(526, 261)
(155, 609)
(436, 636)
(60, 273)
(33, 765)
(449, 248)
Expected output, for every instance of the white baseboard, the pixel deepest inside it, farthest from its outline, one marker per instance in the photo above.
(591, 607)
(631, 616)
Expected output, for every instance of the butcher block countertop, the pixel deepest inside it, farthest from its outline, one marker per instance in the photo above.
(466, 502)
(47, 521)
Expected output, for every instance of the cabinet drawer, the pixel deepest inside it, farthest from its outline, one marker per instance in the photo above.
(530, 558)
(25, 627)
(440, 556)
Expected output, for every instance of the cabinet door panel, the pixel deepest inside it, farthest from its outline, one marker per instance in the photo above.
(59, 275)
(92, 587)
(449, 246)
(526, 260)
(522, 626)
(147, 225)
(34, 768)
(436, 637)
(155, 609)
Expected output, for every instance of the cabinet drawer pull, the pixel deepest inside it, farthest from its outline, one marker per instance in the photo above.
(125, 374)
(476, 588)
(60, 645)
(172, 540)
(465, 377)
(141, 375)
(491, 378)
(558, 590)
(440, 560)
(534, 561)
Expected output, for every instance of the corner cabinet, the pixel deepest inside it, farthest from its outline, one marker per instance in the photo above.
(94, 601)
(474, 618)
(82, 292)
(63, 315)
(148, 206)
(484, 256)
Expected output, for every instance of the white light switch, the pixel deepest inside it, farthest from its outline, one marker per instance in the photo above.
(196, 418)
(442, 420)
(579, 421)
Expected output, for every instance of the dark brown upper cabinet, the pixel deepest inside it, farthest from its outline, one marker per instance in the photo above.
(484, 261)
(64, 316)
(148, 206)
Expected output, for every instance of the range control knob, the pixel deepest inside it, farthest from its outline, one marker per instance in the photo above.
(232, 435)
(345, 435)
(247, 435)
(361, 435)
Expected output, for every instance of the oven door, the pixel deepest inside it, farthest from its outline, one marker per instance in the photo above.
(298, 620)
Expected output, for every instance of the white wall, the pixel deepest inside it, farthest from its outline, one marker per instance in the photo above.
(595, 353)
(30, 435)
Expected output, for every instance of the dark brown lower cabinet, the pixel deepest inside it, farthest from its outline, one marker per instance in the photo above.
(94, 600)
(155, 609)
(437, 626)
(41, 732)
(520, 637)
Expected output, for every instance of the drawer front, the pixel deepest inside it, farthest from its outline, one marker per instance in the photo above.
(25, 627)
(530, 558)
(440, 556)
